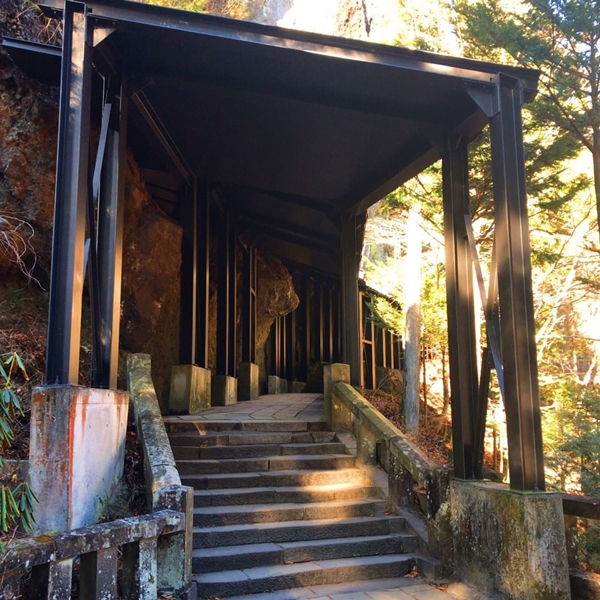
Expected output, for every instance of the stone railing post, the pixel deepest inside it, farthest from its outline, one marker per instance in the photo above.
(175, 550)
(332, 374)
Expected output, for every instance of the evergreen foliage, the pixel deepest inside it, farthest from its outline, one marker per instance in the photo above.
(561, 38)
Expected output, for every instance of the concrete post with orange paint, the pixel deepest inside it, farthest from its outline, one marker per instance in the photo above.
(76, 453)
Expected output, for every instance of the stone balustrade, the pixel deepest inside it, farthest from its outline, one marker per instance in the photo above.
(120, 559)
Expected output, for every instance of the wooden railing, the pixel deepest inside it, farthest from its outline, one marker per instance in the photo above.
(586, 507)
(120, 559)
(583, 584)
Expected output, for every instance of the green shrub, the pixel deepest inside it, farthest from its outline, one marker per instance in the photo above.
(16, 498)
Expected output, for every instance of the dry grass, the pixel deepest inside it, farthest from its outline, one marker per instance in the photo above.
(434, 430)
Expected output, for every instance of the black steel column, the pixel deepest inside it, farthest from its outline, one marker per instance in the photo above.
(329, 326)
(66, 279)
(223, 296)
(320, 337)
(350, 311)
(110, 239)
(303, 325)
(519, 359)
(460, 306)
(232, 274)
(202, 274)
(189, 277)
(290, 340)
(249, 306)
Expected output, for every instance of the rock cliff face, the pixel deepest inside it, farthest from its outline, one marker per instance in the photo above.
(152, 241)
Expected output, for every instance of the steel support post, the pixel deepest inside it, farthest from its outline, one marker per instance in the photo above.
(329, 346)
(321, 322)
(350, 310)
(110, 240)
(460, 306)
(303, 321)
(232, 359)
(189, 277)
(249, 306)
(223, 293)
(523, 419)
(203, 276)
(67, 272)
(290, 340)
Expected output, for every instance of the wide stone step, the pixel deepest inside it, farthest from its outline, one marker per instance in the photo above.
(275, 495)
(205, 560)
(254, 451)
(249, 438)
(217, 516)
(291, 478)
(266, 463)
(264, 579)
(294, 531)
(191, 423)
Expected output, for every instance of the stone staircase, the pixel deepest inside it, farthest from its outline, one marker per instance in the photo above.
(281, 505)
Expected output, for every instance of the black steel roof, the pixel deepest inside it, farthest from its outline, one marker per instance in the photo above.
(299, 129)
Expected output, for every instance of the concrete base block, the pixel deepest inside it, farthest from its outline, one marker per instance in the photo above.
(247, 381)
(223, 390)
(297, 387)
(277, 385)
(190, 389)
(76, 453)
(508, 543)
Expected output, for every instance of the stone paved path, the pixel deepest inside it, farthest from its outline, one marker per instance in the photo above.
(286, 407)
(309, 407)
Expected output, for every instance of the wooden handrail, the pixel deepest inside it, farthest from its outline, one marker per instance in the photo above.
(587, 507)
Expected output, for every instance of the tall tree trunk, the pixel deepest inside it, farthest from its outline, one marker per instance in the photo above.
(596, 161)
(412, 304)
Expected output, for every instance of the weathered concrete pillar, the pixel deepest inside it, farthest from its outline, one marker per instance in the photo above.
(297, 387)
(223, 390)
(76, 454)
(190, 389)
(366, 445)
(276, 385)
(174, 553)
(247, 381)
(332, 374)
(509, 543)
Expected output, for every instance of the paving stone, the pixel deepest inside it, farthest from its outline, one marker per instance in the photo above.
(288, 463)
(239, 557)
(367, 567)
(344, 547)
(234, 497)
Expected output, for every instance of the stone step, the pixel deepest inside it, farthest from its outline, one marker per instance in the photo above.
(249, 438)
(264, 579)
(291, 478)
(294, 531)
(217, 516)
(275, 495)
(254, 451)
(205, 560)
(266, 463)
(192, 423)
